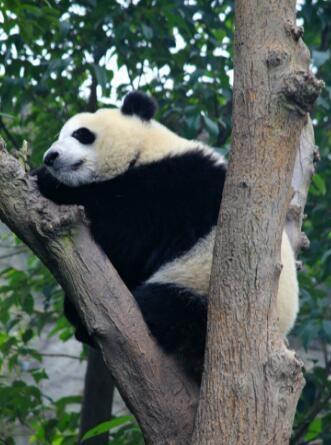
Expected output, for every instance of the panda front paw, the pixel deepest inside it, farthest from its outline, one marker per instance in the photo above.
(48, 185)
(53, 189)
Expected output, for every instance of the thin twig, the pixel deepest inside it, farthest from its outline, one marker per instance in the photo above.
(14, 253)
(50, 354)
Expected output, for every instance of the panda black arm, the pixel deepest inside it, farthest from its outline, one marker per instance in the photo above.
(54, 190)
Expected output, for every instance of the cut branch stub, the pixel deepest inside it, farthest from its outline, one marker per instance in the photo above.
(294, 30)
(301, 89)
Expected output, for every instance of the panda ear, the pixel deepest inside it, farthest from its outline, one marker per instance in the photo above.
(139, 104)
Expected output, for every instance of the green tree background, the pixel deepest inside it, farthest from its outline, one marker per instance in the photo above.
(58, 58)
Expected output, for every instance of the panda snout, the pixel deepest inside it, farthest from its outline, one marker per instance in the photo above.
(51, 157)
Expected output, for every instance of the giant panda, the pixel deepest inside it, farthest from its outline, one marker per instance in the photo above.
(152, 199)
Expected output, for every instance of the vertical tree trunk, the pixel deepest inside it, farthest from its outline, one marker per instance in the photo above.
(98, 397)
(251, 382)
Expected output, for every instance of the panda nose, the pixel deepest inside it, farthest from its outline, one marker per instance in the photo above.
(50, 158)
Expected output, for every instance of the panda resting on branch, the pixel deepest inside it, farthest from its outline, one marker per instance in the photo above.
(152, 199)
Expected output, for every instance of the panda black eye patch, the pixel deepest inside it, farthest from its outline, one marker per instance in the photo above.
(84, 136)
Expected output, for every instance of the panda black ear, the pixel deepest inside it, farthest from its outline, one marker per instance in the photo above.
(139, 104)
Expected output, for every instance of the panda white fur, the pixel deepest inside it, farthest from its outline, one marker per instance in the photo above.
(152, 199)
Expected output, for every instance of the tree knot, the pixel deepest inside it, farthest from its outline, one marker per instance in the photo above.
(304, 241)
(276, 56)
(301, 89)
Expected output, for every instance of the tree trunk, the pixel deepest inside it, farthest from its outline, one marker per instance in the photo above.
(251, 381)
(98, 397)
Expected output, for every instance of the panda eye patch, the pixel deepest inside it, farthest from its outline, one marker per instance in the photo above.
(84, 136)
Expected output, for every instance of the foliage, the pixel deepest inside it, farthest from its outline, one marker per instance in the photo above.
(61, 57)
(123, 431)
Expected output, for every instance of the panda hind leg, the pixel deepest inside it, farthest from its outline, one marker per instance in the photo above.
(177, 318)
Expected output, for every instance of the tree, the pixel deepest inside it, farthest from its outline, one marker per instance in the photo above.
(249, 374)
(195, 119)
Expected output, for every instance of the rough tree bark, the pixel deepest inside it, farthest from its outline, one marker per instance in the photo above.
(252, 382)
(303, 171)
(151, 384)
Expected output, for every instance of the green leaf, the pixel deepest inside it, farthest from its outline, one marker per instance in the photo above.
(147, 31)
(64, 27)
(107, 426)
(211, 126)
(68, 400)
(28, 334)
(315, 428)
(326, 325)
(319, 182)
(193, 122)
(39, 374)
(28, 304)
(101, 75)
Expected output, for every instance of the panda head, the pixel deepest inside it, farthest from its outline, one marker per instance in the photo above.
(99, 146)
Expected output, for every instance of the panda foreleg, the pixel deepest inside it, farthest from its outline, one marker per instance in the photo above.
(177, 318)
(54, 190)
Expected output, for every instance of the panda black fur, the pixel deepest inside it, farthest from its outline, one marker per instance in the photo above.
(152, 199)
